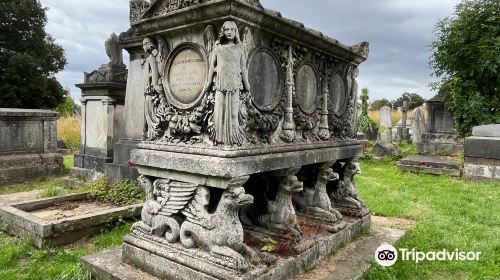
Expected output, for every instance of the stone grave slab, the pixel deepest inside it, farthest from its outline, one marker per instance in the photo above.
(431, 165)
(61, 220)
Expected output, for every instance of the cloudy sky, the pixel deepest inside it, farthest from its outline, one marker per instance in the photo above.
(399, 32)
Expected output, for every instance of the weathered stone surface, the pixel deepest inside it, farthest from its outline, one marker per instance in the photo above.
(492, 130)
(158, 263)
(430, 165)
(17, 219)
(266, 78)
(385, 117)
(482, 147)
(418, 124)
(490, 170)
(440, 144)
(386, 149)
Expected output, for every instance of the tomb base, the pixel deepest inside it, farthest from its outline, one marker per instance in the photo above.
(20, 168)
(162, 261)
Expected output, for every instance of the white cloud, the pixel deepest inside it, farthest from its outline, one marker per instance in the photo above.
(399, 32)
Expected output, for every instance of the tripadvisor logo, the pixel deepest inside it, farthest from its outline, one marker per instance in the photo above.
(387, 255)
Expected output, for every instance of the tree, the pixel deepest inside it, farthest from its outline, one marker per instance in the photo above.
(29, 57)
(467, 60)
(68, 108)
(414, 101)
(377, 104)
(365, 124)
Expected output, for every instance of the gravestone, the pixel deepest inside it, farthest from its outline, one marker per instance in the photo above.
(229, 158)
(103, 96)
(482, 153)
(439, 138)
(385, 117)
(28, 145)
(418, 124)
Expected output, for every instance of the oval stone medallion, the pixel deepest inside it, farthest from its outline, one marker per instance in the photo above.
(307, 89)
(187, 74)
(338, 95)
(264, 77)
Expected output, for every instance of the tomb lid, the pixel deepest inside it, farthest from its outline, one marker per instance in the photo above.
(15, 112)
(491, 130)
(165, 15)
(436, 99)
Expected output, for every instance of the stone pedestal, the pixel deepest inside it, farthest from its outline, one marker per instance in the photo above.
(102, 114)
(482, 153)
(28, 145)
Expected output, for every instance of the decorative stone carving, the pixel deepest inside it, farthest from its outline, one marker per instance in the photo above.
(161, 8)
(315, 204)
(112, 72)
(178, 211)
(156, 104)
(276, 217)
(221, 233)
(228, 78)
(344, 193)
(288, 133)
(362, 49)
(137, 9)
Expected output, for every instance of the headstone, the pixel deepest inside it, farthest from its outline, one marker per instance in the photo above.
(439, 137)
(103, 97)
(203, 132)
(28, 145)
(418, 124)
(482, 153)
(385, 117)
(404, 131)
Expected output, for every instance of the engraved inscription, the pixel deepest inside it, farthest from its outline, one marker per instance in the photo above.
(187, 76)
(307, 89)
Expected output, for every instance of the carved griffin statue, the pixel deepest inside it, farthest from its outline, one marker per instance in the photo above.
(279, 215)
(220, 233)
(345, 194)
(315, 201)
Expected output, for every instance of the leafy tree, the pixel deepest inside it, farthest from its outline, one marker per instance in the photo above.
(68, 108)
(29, 57)
(365, 124)
(467, 60)
(414, 101)
(377, 104)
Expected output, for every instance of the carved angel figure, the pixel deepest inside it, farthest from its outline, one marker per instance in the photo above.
(156, 105)
(228, 66)
(114, 51)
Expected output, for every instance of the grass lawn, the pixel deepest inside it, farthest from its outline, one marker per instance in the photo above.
(449, 214)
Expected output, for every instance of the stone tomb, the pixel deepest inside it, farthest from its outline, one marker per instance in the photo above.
(61, 220)
(439, 137)
(28, 145)
(482, 153)
(248, 134)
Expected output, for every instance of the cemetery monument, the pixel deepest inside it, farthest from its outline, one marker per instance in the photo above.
(248, 133)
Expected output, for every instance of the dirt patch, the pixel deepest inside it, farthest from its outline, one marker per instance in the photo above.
(70, 209)
(391, 222)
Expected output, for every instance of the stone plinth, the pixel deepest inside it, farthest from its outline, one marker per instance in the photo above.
(28, 145)
(482, 153)
(102, 115)
(430, 165)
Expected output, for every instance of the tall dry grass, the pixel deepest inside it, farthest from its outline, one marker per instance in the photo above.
(68, 130)
(396, 116)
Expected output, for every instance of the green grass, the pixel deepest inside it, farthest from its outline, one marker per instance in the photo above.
(450, 213)
(20, 261)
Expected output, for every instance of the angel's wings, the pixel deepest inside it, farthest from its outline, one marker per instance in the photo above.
(197, 212)
(179, 195)
(209, 38)
(248, 41)
(163, 51)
